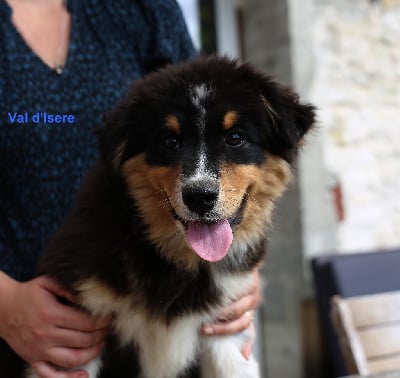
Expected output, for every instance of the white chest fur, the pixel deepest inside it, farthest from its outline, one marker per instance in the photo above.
(167, 349)
(164, 350)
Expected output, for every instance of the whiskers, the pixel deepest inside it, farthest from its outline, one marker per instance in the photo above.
(164, 201)
(246, 194)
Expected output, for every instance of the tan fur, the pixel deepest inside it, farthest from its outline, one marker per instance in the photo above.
(172, 123)
(263, 185)
(230, 119)
(153, 189)
(98, 297)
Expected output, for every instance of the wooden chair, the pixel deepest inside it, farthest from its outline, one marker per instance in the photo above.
(368, 328)
(349, 275)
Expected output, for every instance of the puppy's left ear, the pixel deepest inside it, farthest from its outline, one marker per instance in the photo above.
(113, 136)
(289, 120)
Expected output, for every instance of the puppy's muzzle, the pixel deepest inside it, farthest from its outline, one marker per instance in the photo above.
(200, 197)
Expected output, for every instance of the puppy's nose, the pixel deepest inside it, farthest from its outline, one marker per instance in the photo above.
(200, 197)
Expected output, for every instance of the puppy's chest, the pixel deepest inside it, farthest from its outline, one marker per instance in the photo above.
(164, 348)
(167, 349)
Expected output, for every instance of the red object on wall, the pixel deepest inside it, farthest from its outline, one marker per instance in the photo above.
(337, 194)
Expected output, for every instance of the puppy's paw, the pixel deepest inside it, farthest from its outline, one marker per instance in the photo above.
(249, 369)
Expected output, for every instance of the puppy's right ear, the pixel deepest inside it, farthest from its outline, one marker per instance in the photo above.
(112, 138)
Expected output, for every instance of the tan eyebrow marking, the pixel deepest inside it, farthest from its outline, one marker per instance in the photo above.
(270, 110)
(173, 124)
(230, 119)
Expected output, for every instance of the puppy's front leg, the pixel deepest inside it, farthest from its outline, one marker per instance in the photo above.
(221, 357)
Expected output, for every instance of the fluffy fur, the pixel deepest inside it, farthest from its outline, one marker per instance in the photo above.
(197, 143)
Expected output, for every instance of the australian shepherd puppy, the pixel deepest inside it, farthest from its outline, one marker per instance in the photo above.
(169, 224)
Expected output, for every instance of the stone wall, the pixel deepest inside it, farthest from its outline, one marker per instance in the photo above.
(276, 31)
(357, 88)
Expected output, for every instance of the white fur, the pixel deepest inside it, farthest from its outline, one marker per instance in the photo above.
(221, 358)
(237, 253)
(166, 350)
(232, 286)
(31, 374)
(201, 173)
(197, 96)
(93, 367)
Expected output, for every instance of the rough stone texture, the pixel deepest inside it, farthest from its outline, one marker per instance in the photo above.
(357, 88)
(270, 45)
(353, 68)
(267, 39)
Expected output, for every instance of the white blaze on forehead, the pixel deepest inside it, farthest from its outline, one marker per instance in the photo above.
(198, 94)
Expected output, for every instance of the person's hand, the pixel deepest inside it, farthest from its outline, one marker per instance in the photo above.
(238, 316)
(46, 333)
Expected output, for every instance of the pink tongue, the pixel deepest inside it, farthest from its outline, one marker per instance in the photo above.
(211, 241)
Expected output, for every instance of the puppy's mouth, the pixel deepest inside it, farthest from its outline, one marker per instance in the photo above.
(211, 239)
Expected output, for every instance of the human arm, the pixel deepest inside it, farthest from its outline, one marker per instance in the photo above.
(43, 331)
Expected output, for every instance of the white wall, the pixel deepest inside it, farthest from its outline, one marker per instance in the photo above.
(357, 89)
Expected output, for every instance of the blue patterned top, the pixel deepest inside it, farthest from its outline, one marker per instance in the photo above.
(42, 163)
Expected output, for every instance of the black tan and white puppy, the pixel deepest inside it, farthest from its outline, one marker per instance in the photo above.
(169, 223)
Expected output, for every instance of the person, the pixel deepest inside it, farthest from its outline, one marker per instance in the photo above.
(72, 59)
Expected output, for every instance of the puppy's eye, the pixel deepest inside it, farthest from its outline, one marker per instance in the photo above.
(234, 139)
(171, 143)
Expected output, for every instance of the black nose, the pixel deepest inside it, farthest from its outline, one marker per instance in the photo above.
(200, 197)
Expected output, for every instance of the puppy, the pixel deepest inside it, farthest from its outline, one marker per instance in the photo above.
(169, 223)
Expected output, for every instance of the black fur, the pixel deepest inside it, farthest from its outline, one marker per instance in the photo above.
(109, 242)
(138, 118)
(104, 236)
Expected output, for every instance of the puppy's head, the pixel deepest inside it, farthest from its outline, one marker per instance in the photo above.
(205, 148)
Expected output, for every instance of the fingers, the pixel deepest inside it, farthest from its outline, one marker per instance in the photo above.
(247, 302)
(237, 309)
(71, 358)
(73, 339)
(69, 317)
(228, 328)
(45, 330)
(75, 349)
(53, 286)
(72, 318)
(45, 370)
(235, 317)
